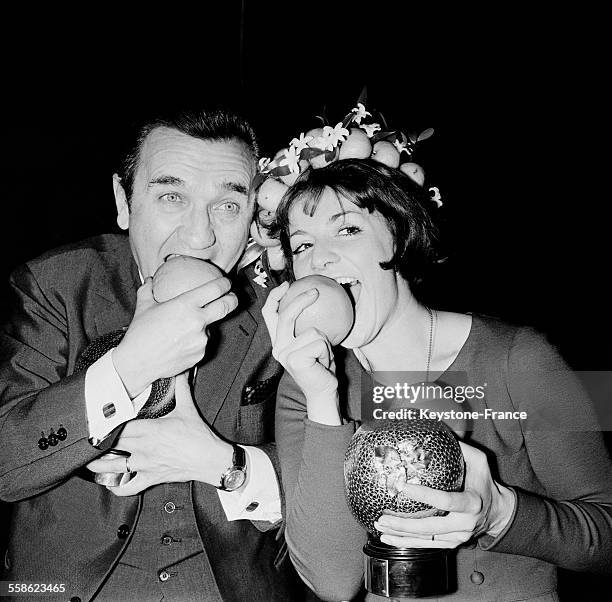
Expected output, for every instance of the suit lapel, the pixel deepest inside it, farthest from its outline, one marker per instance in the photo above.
(116, 288)
(230, 343)
(233, 339)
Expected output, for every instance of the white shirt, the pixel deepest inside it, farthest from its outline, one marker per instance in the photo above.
(105, 394)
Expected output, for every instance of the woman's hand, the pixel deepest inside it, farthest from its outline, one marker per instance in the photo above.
(307, 357)
(482, 507)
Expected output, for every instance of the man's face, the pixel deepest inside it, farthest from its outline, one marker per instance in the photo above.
(190, 197)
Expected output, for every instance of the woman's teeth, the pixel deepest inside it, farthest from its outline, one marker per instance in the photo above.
(352, 286)
(349, 281)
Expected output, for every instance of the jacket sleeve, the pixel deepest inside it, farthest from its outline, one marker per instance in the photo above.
(37, 396)
(571, 525)
(325, 542)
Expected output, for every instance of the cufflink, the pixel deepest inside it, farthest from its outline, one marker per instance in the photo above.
(109, 410)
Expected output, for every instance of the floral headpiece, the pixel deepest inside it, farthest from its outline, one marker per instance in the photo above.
(358, 136)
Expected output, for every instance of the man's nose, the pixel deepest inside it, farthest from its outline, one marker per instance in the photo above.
(322, 256)
(197, 231)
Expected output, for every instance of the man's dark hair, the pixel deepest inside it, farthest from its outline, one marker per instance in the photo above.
(375, 187)
(216, 125)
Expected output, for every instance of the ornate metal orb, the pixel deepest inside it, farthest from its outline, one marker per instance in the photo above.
(384, 456)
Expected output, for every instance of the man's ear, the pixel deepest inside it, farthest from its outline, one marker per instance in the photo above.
(123, 210)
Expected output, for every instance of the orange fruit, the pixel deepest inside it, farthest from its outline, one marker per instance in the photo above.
(182, 273)
(270, 193)
(315, 133)
(356, 146)
(385, 152)
(260, 236)
(332, 313)
(414, 172)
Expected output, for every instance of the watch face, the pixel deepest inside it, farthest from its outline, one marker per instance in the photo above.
(234, 479)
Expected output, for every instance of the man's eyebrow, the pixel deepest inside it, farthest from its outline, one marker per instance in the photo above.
(235, 187)
(166, 181)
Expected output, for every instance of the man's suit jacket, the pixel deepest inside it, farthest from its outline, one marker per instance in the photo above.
(64, 528)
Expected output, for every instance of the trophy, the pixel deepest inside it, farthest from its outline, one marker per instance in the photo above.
(381, 458)
(178, 274)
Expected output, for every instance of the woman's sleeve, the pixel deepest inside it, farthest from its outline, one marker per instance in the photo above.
(571, 526)
(325, 542)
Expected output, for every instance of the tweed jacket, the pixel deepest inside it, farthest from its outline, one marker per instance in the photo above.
(64, 527)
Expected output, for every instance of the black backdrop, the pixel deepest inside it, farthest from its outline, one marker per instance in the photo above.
(515, 100)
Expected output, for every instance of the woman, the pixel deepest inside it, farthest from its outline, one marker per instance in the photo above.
(532, 499)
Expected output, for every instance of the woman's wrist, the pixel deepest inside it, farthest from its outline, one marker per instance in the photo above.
(502, 511)
(324, 408)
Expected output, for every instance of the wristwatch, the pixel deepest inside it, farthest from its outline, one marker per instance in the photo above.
(235, 476)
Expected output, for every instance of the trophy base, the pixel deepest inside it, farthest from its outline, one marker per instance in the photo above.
(405, 572)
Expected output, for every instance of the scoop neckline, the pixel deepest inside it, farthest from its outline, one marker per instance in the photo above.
(463, 350)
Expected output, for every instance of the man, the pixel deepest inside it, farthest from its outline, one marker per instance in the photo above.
(171, 532)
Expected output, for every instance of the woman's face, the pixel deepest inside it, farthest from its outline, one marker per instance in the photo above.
(347, 243)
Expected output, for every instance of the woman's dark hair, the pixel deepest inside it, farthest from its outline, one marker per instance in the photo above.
(373, 186)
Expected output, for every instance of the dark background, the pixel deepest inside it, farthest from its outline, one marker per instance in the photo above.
(516, 100)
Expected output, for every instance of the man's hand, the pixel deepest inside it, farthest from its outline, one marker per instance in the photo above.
(168, 338)
(483, 507)
(175, 448)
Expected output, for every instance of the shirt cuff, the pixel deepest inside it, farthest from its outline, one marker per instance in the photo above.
(486, 541)
(259, 499)
(107, 402)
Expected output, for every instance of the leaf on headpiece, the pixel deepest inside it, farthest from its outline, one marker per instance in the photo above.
(383, 120)
(348, 119)
(258, 180)
(309, 153)
(363, 97)
(402, 137)
(323, 116)
(383, 135)
(413, 137)
(330, 155)
(425, 134)
(281, 170)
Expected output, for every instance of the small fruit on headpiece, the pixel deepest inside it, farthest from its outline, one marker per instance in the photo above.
(356, 146)
(270, 194)
(385, 152)
(414, 172)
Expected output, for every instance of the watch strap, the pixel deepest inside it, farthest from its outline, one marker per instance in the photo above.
(239, 458)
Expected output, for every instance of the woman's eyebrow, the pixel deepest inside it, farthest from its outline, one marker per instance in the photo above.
(296, 233)
(334, 217)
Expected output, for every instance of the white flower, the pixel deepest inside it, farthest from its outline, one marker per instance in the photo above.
(360, 113)
(436, 197)
(261, 277)
(319, 142)
(370, 128)
(263, 163)
(300, 143)
(402, 147)
(334, 135)
(291, 160)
